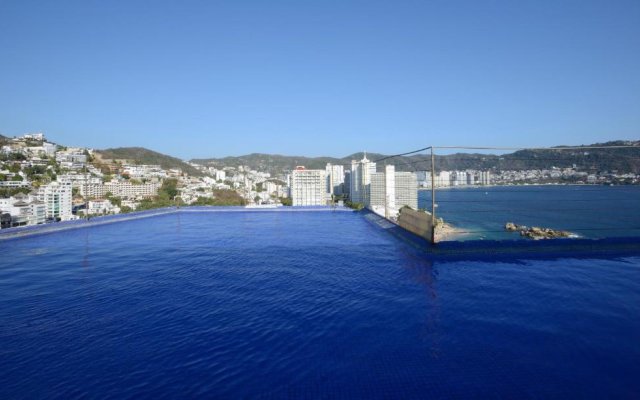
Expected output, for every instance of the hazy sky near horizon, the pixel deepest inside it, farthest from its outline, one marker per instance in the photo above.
(216, 78)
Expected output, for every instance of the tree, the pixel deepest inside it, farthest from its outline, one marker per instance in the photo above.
(8, 192)
(89, 157)
(169, 188)
(286, 201)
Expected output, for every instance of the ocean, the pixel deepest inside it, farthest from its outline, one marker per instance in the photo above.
(587, 211)
(307, 305)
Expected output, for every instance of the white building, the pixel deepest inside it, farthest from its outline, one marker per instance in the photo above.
(102, 206)
(361, 179)
(71, 158)
(24, 209)
(406, 190)
(57, 197)
(122, 189)
(335, 179)
(308, 187)
(144, 171)
(38, 212)
(220, 175)
(34, 136)
(443, 179)
(485, 178)
(390, 191)
(49, 149)
(459, 178)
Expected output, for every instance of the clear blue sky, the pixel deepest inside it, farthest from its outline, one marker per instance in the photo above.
(216, 78)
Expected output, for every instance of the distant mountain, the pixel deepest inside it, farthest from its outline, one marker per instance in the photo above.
(141, 155)
(614, 159)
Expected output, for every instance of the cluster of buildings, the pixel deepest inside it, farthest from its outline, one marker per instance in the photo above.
(384, 192)
(568, 175)
(256, 187)
(41, 182)
(444, 179)
(48, 203)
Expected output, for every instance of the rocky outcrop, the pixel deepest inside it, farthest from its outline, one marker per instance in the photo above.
(537, 233)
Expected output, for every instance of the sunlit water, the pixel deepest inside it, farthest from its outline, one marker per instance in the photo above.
(589, 211)
(305, 305)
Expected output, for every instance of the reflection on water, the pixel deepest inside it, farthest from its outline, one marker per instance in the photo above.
(422, 271)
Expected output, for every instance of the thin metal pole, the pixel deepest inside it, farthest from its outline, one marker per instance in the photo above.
(386, 195)
(86, 198)
(433, 198)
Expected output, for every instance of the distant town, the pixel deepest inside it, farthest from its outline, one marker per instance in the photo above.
(43, 182)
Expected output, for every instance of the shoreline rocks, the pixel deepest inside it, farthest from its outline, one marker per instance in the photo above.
(537, 233)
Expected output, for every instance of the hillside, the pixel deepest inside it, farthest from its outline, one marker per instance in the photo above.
(141, 155)
(620, 160)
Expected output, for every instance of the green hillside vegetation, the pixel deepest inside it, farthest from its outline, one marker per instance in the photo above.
(619, 160)
(166, 196)
(140, 155)
(222, 197)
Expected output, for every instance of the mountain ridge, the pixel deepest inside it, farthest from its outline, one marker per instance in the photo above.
(143, 155)
(583, 156)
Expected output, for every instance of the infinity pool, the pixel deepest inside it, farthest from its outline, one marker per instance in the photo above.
(306, 305)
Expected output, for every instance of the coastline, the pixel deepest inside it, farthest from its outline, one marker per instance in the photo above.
(428, 189)
(448, 232)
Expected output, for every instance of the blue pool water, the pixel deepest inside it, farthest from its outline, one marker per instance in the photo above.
(589, 211)
(306, 305)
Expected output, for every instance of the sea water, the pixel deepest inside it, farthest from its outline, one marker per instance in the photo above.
(587, 211)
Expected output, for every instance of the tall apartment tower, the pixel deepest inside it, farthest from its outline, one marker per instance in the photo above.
(406, 190)
(485, 178)
(335, 179)
(308, 187)
(361, 179)
(392, 190)
(57, 197)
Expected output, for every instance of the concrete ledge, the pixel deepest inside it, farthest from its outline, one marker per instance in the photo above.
(416, 222)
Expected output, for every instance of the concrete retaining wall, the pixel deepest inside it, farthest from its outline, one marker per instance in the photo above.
(416, 222)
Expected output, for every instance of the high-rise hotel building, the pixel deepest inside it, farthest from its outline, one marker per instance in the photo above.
(308, 187)
(392, 190)
(360, 180)
(335, 179)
